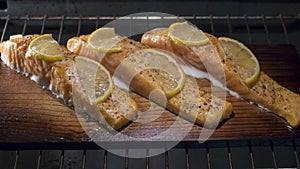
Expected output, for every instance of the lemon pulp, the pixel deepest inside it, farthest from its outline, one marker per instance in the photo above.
(168, 72)
(93, 80)
(46, 48)
(184, 33)
(245, 62)
(105, 40)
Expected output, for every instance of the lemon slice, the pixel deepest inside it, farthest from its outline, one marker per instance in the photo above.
(184, 33)
(245, 62)
(105, 40)
(93, 80)
(170, 75)
(46, 48)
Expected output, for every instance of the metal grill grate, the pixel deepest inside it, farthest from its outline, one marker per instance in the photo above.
(216, 154)
(249, 29)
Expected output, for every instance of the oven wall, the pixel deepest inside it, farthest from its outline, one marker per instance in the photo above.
(257, 29)
(125, 7)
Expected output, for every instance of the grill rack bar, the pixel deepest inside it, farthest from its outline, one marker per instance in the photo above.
(275, 17)
(266, 28)
(212, 24)
(43, 24)
(273, 154)
(79, 26)
(295, 152)
(61, 28)
(284, 29)
(213, 20)
(25, 25)
(229, 26)
(5, 28)
(79, 158)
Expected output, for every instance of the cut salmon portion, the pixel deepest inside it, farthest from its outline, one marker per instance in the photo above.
(200, 106)
(58, 76)
(14, 54)
(265, 92)
(117, 110)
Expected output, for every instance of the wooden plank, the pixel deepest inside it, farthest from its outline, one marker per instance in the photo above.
(29, 113)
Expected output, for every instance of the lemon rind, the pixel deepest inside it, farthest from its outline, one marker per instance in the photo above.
(170, 94)
(43, 56)
(110, 50)
(180, 41)
(253, 79)
(111, 82)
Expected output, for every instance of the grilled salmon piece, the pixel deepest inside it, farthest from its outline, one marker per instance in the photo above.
(271, 95)
(58, 75)
(14, 53)
(117, 110)
(201, 58)
(204, 108)
(265, 92)
(61, 74)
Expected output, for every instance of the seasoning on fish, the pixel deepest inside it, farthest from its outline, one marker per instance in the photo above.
(200, 106)
(265, 91)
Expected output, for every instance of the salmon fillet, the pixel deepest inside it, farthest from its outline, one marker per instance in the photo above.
(117, 110)
(266, 92)
(58, 76)
(14, 54)
(208, 56)
(201, 106)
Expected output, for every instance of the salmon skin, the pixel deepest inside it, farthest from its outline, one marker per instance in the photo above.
(203, 108)
(265, 92)
(58, 75)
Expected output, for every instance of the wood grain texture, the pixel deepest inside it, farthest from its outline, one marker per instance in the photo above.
(29, 113)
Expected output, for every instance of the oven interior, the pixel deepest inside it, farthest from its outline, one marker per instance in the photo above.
(252, 22)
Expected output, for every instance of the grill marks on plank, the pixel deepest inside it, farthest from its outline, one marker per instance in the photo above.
(248, 122)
